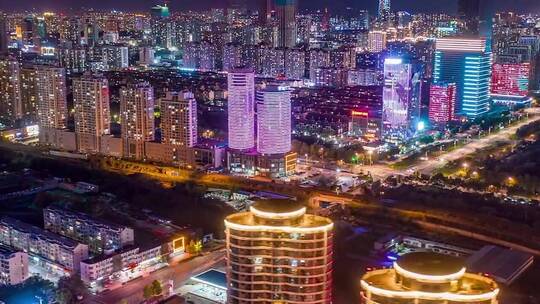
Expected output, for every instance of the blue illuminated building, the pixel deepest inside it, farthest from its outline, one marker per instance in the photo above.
(466, 63)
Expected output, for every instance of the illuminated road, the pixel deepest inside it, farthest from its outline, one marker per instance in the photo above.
(429, 166)
(133, 291)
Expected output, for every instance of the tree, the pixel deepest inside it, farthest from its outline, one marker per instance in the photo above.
(65, 296)
(194, 247)
(148, 292)
(156, 287)
(69, 288)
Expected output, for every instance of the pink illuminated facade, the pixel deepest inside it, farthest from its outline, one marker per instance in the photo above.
(510, 79)
(241, 109)
(274, 120)
(442, 103)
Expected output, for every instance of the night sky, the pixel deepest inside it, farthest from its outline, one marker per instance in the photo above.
(448, 6)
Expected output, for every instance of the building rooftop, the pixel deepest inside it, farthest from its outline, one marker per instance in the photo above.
(432, 270)
(278, 210)
(430, 263)
(277, 206)
(84, 218)
(38, 232)
(7, 251)
(504, 265)
(473, 287)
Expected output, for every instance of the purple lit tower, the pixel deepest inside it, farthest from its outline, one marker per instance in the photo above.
(274, 120)
(241, 86)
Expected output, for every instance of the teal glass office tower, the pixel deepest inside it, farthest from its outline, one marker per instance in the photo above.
(466, 63)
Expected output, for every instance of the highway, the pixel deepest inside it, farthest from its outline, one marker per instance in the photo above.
(179, 273)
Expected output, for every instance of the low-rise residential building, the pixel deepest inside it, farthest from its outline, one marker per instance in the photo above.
(44, 245)
(131, 262)
(100, 236)
(127, 262)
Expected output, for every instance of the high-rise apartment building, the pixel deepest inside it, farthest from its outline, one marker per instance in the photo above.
(295, 63)
(179, 119)
(136, 118)
(272, 62)
(241, 109)
(146, 55)
(276, 253)
(92, 111)
(430, 278)
(114, 57)
(273, 120)
(286, 15)
(51, 97)
(318, 58)
(29, 92)
(232, 57)
(10, 91)
(376, 41)
(442, 103)
(466, 63)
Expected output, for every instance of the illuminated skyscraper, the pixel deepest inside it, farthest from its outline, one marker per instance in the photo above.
(376, 41)
(428, 278)
(276, 253)
(92, 111)
(384, 9)
(466, 63)
(442, 103)
(510, 83)
(10, 90)
(273, 120)
(241, 109)
(161, 25)
(179, 119)
(51, 97)
(286, 15)
(136, 118)
(401, 98)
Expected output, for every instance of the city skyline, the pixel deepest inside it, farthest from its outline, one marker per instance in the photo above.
(158, 154)
(416, 6)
